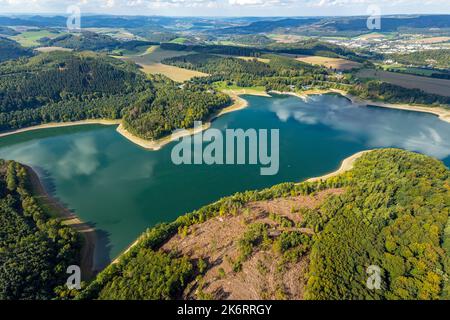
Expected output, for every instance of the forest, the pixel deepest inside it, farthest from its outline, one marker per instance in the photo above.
(166, 107)
(35, 249)
(92, 41)
(436, 58)
(69, 86)
(391, 197)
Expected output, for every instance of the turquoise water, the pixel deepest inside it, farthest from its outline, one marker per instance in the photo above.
(123, 189)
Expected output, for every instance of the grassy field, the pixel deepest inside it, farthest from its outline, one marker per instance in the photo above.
(51, 49)
(285, 38)
(30, 38)
(430, 85)
(335, 63)
(150, 62)
(180, 40)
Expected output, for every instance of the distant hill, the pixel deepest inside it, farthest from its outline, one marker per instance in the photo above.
(5, 31)
(10, 49)
(83, 41)
(337, 25)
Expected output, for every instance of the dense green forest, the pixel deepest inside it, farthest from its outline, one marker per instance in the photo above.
(10, 50)
(92, 41)
(69, 86)
(63, 86)
(279, 74)
(35, 250)
(436, 58)
(382, 91)
(83, 41)
(166, 107)
(393, 214)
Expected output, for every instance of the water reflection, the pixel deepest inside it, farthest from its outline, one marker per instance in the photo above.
(373, 126)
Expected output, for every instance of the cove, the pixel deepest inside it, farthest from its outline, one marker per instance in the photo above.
(123, 189)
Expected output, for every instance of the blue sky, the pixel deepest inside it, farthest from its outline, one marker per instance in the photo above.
(227, 7)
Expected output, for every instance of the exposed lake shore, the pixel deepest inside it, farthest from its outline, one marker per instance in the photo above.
(442, 113)
(346, 165)
(238, 104)
(68, 218)
(61, 124)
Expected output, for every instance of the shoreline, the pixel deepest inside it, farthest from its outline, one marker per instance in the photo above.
(440, 112)
(67, 218)
(346, 165)
(155, 145)
(50, 125)
(238, 104)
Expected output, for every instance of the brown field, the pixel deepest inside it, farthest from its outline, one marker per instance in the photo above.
(216, 241)
(433, 40)
(371, 36)
(430, 85)
(151, 64)
(335, 63)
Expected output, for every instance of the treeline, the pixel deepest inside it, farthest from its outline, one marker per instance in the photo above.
(382, 91)
(392, 215)
(92, 41)
(306, 47)
(214, 49)
(437, 58)
(35, 250)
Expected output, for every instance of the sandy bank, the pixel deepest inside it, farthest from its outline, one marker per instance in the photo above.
(154, 145)
(346, 165)
(61, 124)
(68, 218)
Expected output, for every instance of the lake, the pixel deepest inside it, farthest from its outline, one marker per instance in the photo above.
(123, 189)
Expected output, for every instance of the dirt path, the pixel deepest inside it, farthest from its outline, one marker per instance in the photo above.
(70, 219)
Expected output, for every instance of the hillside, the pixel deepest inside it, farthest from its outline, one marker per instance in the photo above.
(70, 86)
(302, 241)
(35, 249)
(10, 50)
(83, 41)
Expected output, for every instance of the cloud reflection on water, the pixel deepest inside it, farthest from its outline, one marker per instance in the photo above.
(373, 126)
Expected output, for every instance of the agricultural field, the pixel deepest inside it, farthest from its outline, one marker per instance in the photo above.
(433, 40)
(286, 38)
(118, 33)
(51, 49)
(31, 38)
(150, 62)
(334, 63)
(430, 85)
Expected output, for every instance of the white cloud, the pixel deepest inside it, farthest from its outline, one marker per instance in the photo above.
(226, 7)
